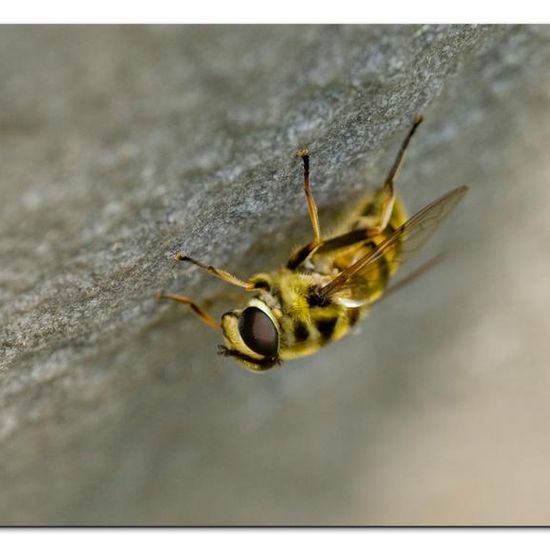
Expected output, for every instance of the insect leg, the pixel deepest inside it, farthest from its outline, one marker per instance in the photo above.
(201, 313)
(311, 206)
(398, 162)
(345, 240)
(385, 198)
(220, 273)
(305, 251)
(368, 226)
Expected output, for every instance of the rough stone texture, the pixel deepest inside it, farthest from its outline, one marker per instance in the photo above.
(123, 145)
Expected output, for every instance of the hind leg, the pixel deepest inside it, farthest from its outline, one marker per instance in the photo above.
(373, 217)
(377, 211)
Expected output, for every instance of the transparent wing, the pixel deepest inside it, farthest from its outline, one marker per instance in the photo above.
(354, 284)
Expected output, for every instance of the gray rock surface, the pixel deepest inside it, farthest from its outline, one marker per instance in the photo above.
(121, 145)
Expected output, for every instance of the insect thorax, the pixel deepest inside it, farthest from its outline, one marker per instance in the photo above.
(304, 325)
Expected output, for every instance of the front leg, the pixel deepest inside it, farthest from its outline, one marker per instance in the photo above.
(203, 315)
(220, 273)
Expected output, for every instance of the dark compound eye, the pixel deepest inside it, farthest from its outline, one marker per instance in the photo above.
(258, 332)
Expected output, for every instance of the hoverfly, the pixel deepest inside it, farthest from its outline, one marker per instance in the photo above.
(327, 285)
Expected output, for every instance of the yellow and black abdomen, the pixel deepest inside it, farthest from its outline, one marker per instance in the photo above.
(368, 215)
(306, 326)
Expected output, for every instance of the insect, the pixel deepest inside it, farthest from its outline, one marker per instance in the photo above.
(327, 285)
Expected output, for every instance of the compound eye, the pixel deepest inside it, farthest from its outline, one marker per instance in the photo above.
(258, 332)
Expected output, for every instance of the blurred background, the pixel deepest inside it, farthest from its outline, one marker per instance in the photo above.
(122, 145)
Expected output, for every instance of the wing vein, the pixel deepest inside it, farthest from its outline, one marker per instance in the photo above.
(410, 236)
